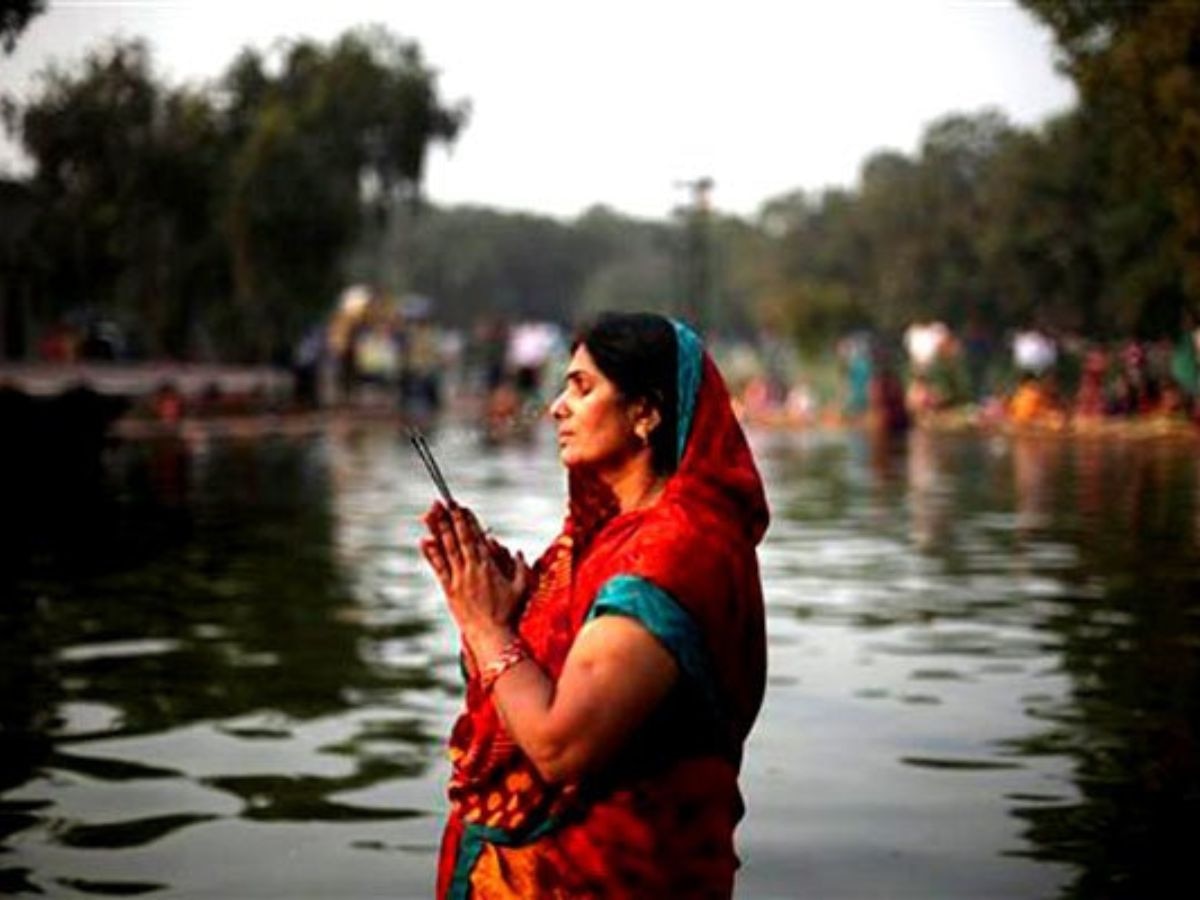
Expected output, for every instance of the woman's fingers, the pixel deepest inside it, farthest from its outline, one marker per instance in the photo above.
(476, 528)
(435, 519)
(444, 530)
(469, 540)
(521, 574)
(436, 510)
(440, 522)
(500, 556)
(431, 549)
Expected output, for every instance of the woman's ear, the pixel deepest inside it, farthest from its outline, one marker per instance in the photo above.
(649, 419)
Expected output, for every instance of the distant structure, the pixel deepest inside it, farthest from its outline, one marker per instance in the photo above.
(698, 302)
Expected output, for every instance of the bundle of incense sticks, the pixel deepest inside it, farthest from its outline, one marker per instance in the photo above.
(422, 447)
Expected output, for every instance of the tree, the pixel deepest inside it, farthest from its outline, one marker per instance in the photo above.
(223, 216)
(894, 221)
(812, 286)
(957, 153)
(1138, 64)
(15, 16)
(1038, 244)
(125, 181)
(333, 142)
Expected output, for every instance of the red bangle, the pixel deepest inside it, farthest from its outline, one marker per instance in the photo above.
(514, 652)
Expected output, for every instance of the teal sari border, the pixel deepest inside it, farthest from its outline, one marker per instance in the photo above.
(469, 851)
(689, 353)
(510, 839)
(663, 617)
(474, 838)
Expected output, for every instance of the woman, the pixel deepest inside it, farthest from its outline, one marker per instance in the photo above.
(610, 688)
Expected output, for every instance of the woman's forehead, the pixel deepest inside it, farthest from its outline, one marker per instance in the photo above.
(582, 363)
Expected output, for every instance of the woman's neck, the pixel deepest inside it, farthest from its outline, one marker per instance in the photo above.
(635, 484)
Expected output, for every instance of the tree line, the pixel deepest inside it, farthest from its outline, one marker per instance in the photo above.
(223, 220)
(216, 220)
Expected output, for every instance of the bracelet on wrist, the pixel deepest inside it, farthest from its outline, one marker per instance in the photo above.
(512, 653)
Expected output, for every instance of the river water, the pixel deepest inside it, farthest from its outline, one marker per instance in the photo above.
(226, 673)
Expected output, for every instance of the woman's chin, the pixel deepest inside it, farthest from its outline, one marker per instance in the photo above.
(574, 461)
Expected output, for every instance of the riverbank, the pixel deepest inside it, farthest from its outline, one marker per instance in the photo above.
(465, 411)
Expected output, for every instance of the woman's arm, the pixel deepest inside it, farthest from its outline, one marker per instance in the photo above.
(615, 674)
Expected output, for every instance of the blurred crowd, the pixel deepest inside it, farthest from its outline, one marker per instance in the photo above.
(1030, 378)
(378, 351)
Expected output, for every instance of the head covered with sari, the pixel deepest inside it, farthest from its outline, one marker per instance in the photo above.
(660, 816)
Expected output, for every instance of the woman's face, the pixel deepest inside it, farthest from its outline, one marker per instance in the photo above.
(596, 427)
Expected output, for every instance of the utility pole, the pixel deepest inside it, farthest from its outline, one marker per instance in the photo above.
(698, 302)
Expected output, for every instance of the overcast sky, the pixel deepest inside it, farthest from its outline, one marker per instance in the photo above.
(617, 102)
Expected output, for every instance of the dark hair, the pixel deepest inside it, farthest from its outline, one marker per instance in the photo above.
(637, 352)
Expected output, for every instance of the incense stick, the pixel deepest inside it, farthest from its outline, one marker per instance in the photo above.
(422, 447)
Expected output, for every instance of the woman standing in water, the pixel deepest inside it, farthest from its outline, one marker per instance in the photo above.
(610, 687)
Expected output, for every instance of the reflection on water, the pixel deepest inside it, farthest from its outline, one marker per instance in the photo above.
(226, 671)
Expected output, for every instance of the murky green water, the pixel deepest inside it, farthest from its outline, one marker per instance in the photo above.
(225, 672)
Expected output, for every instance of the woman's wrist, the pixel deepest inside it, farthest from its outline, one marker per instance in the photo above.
(486, 640)
(512, 654)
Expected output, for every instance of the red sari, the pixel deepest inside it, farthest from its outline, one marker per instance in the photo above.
(658, 820)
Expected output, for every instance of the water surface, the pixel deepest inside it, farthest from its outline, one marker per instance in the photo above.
(226, 673)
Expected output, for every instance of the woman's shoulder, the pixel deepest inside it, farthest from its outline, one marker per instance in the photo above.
(676, 545)
(677, 539)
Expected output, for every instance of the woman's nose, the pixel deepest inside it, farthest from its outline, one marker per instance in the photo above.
(558, 408)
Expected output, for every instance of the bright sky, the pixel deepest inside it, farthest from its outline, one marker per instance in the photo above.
(618, 101)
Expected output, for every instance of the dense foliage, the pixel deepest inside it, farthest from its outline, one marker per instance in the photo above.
(223, 220)
(1137, 67)
(15, 16)
(217, 219)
